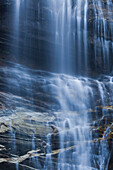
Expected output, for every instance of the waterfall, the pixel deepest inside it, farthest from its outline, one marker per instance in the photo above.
(62, 28)
(68, 24)
(58, 121)
(16, 25)
(77, 106)
(76, 148)
(103, 33)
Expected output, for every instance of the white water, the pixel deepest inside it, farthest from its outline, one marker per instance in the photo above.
(16, 20)
(103, 35)
(66, 28)
(69, 33)
(77, 124)
(76, 96)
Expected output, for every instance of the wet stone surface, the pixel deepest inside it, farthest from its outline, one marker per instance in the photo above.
(31, 113)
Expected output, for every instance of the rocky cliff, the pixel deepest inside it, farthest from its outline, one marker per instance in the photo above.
(34, 46)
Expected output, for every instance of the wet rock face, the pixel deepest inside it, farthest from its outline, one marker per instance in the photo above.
(31, 105)
(100, 25)
(34, 39)
(31, 112)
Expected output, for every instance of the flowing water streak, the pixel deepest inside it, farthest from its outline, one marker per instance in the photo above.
(74, 121)
(16, 23)
(103, 31)
(68, 24)
(103, 157)
(104, 152)
(79, 36)
(86, 34)
(74, 100)
(63, 31)
(78, 131)
(75, 96)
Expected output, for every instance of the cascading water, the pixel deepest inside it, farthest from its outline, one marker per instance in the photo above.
(68, 24)
(16, 25)
(59, 31)
(63, 119)
(77, 109)
(76, 148)
(68, 19)
(103, 33)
